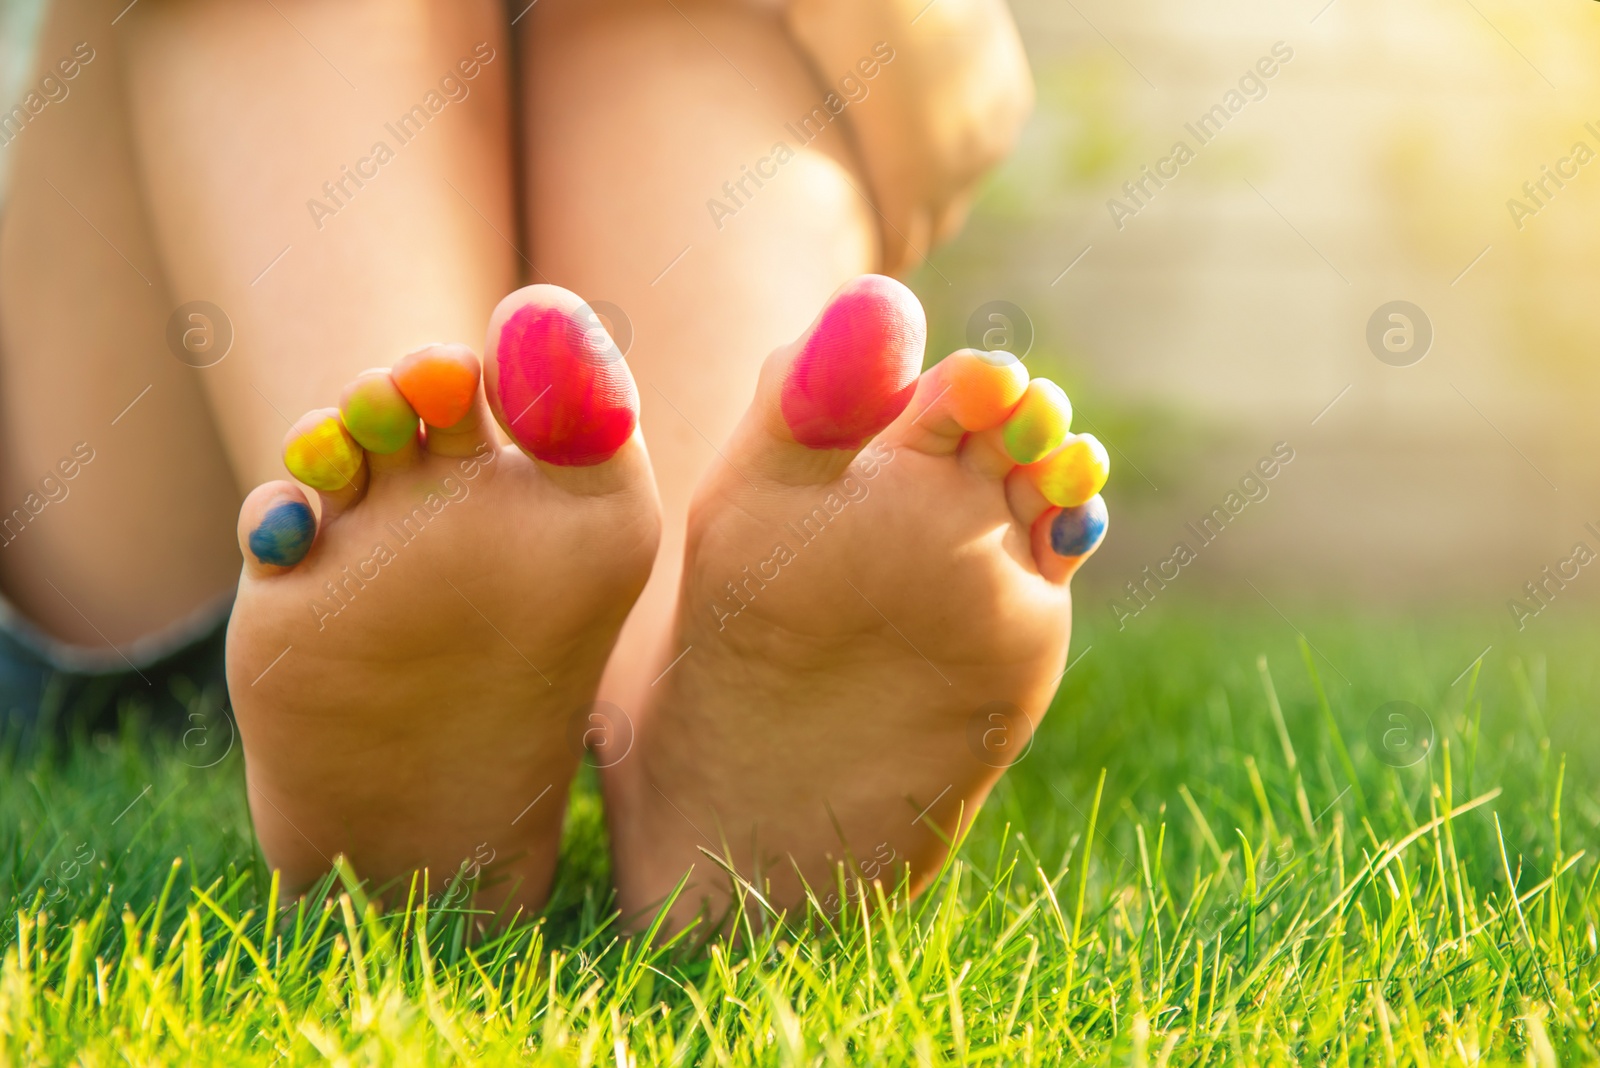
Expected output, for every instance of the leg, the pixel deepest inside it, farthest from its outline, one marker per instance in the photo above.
(408, 665)
(636, 123)
(364, 142)
(741, 743)
(136, 538)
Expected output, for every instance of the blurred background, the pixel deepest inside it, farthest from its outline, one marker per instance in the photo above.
(1230, 309)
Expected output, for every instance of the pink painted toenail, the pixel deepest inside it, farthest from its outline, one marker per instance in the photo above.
(859, 367)
(566, 395)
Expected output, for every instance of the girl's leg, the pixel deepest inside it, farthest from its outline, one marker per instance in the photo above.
(648, 123)
(410, 667)
(334, 176)
(851, 634)
(116, 500)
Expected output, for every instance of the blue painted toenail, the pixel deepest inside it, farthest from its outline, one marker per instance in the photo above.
(1078, 530)
(284, 536)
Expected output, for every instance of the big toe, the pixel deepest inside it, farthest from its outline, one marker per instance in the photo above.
(823, 397)
(560, 387)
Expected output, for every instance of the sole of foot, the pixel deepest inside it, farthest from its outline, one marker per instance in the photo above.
(873, 619)
(413, 663)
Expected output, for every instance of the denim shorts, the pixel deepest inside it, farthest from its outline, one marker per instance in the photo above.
(49, 686)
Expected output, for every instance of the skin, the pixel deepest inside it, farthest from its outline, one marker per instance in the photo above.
(142, 541)
(843, 649)
(340, 731)
(936, 117)
(360, 736)
(776, 782)
(857, 370)
(602, 81)
(620, 90)
(358, 290)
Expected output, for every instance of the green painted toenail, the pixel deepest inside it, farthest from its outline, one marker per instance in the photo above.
(1040, 422)
(377, 415)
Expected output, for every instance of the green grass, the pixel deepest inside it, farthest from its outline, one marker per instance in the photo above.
(1247, 882)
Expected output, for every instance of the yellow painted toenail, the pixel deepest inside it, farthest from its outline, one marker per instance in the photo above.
(1040, 423)
(1075, 472)
(323, 457)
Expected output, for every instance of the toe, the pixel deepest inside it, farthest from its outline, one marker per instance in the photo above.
(320, 452)
(441, 383)
(856, 369)
(1039, 424)
(381, 421)
(1035, 428)
(1071, 474)
(848, 377)
(276, 529)
(560, 387)
(1063, 538)
(966, 392)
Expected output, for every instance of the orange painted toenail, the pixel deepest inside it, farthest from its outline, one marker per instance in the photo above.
(980, 389)
(441, 391)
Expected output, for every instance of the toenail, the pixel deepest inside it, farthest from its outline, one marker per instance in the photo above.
(1075, 472)
(323, 457)
(858, 369)
(440, 391)
(1076, 531)
(565, 393)
(377, 415)
(1040, 423)
(284, 535)
(980, 390)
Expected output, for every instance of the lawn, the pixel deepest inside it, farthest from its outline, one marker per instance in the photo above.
(1210, 855)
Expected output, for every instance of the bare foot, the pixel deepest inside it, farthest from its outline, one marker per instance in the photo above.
(407, 673)
(873, 616)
